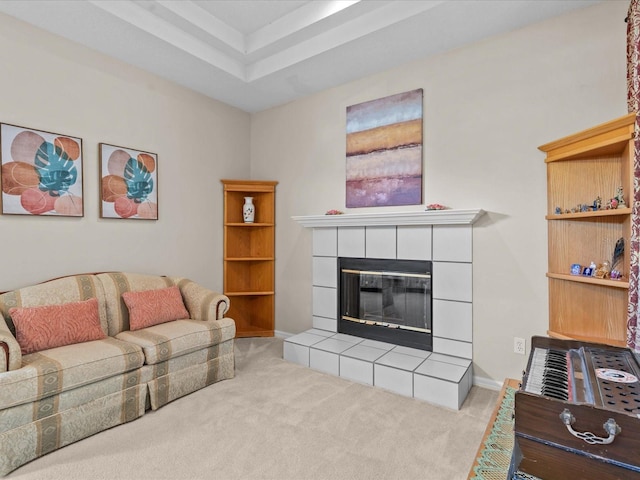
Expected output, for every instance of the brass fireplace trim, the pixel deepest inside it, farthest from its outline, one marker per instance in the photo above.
(386, 324)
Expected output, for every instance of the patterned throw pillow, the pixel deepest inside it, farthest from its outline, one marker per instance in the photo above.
(151, 307)
(50, 326)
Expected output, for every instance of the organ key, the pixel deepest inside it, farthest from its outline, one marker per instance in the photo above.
(549, 374)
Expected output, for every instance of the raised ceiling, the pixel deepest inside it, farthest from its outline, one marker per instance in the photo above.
(256, 54)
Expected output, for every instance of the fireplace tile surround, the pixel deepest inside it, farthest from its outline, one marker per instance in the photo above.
(444, 376)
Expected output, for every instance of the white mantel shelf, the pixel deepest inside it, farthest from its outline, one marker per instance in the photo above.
(427, 217)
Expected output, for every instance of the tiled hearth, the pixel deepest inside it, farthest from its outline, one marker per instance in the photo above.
(443, 376)
(436, 378)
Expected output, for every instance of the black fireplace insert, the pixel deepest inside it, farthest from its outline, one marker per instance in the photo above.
(386, 300)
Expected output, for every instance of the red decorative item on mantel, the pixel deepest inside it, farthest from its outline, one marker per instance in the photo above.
(435, 206)
(333, 212)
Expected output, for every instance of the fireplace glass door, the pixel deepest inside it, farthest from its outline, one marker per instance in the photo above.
(387, 300)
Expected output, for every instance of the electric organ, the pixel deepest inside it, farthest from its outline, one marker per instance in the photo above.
(577, 412)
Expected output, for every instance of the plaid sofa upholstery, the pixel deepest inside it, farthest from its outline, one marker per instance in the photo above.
(51, 398)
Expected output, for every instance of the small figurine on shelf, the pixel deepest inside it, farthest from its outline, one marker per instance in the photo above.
(613, 204)
(584, 207)
(590, 270)
(597, 204)
(620, 198)
(576, 268)
(603, 270)
(558, 210)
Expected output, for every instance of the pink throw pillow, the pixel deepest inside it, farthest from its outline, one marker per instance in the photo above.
(151, 307)
(50, 326)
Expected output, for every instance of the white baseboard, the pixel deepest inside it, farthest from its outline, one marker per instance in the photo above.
(485, 382)
(281, 334)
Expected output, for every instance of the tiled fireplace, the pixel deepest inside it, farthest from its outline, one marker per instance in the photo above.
(443, 375)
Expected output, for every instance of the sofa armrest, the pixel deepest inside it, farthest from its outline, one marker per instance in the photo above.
(10, 354)
(202, 303)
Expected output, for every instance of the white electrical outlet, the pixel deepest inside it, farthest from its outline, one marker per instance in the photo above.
(519, 345)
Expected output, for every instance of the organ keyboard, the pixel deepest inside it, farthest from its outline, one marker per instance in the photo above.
(577, 412)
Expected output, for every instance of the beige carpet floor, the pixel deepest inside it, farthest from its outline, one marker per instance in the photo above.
(278, 420)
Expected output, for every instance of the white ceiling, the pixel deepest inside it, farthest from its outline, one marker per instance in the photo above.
(256, 54)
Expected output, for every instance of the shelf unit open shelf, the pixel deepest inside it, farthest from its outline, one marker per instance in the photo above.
(581, 167)
(590, 280)
(249, 257)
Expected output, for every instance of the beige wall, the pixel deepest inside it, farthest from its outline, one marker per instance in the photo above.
(487, 107)
(51, 84)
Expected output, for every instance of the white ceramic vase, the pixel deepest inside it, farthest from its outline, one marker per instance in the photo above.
(248, 210)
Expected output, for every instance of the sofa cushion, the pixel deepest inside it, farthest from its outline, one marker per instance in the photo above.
(152, 307)
(114, 284)
(50, 326)
(172, 339)
(50, 372)
(74, 288)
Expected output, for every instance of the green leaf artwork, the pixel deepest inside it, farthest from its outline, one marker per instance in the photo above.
(57, 172)
(138, 180)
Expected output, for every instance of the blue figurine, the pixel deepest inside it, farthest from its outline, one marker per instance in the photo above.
(597, 204)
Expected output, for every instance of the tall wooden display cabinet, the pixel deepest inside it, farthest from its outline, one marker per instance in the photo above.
(249, 256)
(580, 168)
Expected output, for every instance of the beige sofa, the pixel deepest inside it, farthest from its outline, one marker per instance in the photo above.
(53, 397)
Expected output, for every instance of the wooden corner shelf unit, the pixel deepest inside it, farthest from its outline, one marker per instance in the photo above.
(249, 257)
(581, 167)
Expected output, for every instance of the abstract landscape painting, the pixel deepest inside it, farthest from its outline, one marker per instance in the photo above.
(128, 183)
(41, 172)
(384, 151)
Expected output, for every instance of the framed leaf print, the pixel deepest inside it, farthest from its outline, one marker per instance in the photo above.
(128, 183)
(41, 172)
